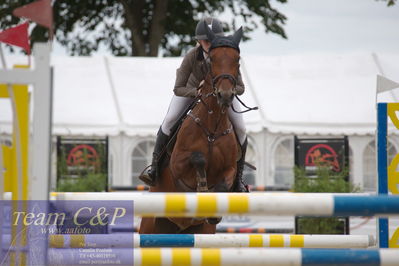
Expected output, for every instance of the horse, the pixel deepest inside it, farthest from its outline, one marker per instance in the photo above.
(205, 154)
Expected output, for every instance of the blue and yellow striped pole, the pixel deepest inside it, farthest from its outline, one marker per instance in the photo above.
(210, 241)
(257, 204)
(228, 256)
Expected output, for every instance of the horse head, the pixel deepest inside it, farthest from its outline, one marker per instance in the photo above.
(224, 54)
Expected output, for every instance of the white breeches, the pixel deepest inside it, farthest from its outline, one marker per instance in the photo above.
(179, 104)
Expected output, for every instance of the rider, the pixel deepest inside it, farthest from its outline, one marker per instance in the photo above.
(189, 77)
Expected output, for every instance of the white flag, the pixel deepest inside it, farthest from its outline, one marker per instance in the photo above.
(384, 84)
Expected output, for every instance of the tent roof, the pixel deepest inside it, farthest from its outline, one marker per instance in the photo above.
(320, 94)
(303, 94)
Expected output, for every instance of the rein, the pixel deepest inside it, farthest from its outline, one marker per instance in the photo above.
(243, 104)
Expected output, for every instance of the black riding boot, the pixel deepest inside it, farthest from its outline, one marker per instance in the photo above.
(153, 173)
(239, 185)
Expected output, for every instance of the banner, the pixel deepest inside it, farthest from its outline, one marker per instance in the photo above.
(65, 232)
(311, 153)
(17, 36)
(332, 153)
(40, 12)
(80, 157)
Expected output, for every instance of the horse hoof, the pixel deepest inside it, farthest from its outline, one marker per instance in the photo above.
(195, 219)
(215, 220)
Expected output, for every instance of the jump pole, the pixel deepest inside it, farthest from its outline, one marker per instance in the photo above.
(124, 240)
(259, 204)
(120, 228)
(229, 256)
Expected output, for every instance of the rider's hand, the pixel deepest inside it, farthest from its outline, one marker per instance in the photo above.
(199, 91)
(201, 84)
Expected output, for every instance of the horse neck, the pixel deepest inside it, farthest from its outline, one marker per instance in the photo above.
(216, 121)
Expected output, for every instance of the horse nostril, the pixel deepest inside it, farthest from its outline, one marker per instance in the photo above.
(219, 95)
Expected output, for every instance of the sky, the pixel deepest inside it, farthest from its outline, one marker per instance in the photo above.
(325, 26)
(332, 26)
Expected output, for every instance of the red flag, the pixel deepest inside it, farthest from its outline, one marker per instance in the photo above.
(40, 12)
(17, 36)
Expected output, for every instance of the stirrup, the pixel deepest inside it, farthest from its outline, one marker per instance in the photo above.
(241, 187)
(146, 178)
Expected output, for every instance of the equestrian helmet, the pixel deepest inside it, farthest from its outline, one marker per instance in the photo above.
(213, 23)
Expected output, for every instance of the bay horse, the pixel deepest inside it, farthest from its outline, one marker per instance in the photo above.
(205, 155)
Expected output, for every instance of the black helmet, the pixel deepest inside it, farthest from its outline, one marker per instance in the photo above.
(214, 24)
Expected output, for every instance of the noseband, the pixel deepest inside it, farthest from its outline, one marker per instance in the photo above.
(223, 76)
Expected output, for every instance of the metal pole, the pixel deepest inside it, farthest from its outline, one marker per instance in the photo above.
(382, 164)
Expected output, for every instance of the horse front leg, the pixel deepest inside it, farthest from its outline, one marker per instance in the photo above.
(224, 186)
(198, 161)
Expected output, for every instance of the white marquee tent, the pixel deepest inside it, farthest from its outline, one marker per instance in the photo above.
(314, 95)
(308, 94)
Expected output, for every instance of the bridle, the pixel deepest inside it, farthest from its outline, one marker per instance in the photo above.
(216, 79)
(233, 80)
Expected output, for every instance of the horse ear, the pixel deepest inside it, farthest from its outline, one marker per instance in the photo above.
(209, 32)
(237, 36)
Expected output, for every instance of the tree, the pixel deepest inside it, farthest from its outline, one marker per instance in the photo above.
(141, 27)
(389, 2)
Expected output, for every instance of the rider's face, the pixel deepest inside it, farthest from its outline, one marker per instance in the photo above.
(205, 44)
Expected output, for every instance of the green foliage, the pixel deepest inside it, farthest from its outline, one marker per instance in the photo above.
(389, 2)
(316, 225)
(325, 180)
(140, 27)
(62, 168)
(88, 183)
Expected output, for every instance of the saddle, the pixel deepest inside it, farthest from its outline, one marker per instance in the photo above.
(176, 127)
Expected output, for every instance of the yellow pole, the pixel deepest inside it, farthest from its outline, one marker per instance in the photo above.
(11, 156)
(393, 175)
(15, 159)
